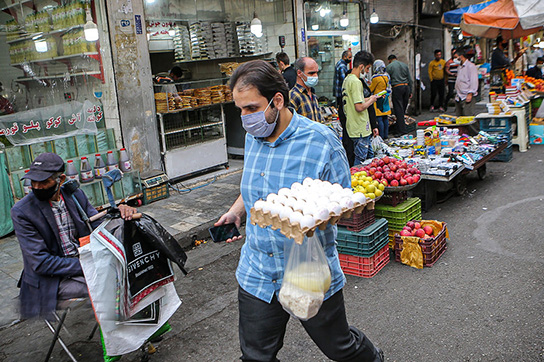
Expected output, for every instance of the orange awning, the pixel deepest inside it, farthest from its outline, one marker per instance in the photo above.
(500, 18)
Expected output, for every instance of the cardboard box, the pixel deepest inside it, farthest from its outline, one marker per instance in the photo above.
(536, 134)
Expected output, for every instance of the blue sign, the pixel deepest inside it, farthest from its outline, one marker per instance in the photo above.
(125, 23)
(303, 34)
(138, 19)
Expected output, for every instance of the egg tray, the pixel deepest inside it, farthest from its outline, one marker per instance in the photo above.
(293, 230)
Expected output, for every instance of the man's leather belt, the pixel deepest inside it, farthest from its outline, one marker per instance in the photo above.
(396, 85)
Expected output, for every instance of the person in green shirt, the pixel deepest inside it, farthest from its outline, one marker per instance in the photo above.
(358, 123)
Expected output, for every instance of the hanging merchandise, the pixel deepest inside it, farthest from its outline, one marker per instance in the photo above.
(87, 174)
(71, 171)
(27, 185)
(99, 166)
(124, 161)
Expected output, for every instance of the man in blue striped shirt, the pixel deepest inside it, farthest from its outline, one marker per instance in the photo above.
(283, 147)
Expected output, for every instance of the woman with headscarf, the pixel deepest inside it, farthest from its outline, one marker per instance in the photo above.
(381, 82)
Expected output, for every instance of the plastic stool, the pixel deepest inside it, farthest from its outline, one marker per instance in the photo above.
(522, 138)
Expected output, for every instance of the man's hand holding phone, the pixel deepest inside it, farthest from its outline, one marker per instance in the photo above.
(228, 218)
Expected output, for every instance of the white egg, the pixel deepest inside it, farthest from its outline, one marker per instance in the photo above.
(295, 217)
(275, 209)
(290, 201)
(267, 206)
(307, 221)
(358, 197)
(308, 181)
(336, 197)
(326, 184)
(335, 208)
(271, 197)
(347, 192)
(281, 200)
(299, 205)
(285, 212)
(296, 186)
(259, 204)
(284, 192)
(300, 195)
(346, 203)
(337, 187)
(323, 202)
(321, 213)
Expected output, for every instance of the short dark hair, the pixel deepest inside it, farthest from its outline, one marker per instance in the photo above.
(454, 51)
(300, 64)
(363, 57)
(263, 76)
(463, 52)
(392, 56)
(345, 53)
(499, 40)
(282, 57)
(437, 51)
(176, 70)
(540, 59)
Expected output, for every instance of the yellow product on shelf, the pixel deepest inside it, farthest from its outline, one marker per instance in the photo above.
(446, 119)
(464, 119)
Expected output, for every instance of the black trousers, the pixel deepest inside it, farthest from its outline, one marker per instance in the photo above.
(437, 87)
(346, 140)
(450, 95)
(401, 96)
(262, 328)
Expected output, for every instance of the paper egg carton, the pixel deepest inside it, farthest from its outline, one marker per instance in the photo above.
(294, 230)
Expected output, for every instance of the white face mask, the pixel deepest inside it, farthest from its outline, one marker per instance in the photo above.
(256, 125)
(457, 61)
(540, 66)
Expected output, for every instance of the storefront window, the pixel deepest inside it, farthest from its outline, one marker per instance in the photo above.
(332, 29)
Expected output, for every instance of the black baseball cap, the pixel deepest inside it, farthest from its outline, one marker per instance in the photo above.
(44, 166)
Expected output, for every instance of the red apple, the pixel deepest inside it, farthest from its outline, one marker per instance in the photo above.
(428, 230)
(389, 176)
(410, 180)
(378, 175)
(398, 176)
(385, 183)
(416, 178)
(410, 224)
(381, 163)
(413, 232)
(394, 183)
(403, 182)
(372, 170)
(407, 228)
(386, 159)
(393, 167)
(417, 225)
(405, 233)
(420, 233)
(402, 171)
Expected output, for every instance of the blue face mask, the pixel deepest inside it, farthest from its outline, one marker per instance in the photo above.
(311, 81)
(256, 125)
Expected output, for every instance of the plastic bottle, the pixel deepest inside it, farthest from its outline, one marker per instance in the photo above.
(71, 171)
(27, 185)
(86, 171)
(111, 161)
(124, 161)
(99, 166)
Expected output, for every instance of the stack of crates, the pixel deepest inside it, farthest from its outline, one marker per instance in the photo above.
(399, 215)
(502, 126)
(363, 252)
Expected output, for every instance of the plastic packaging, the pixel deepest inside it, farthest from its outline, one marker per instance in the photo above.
(27, 185)
(124, 161)
(99, 166)
(111, 161)
(306, 279)
(71, 171)
(87, 174)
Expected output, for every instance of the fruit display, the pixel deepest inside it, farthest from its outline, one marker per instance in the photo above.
(387, 171)
(414, 228)
(421, 243)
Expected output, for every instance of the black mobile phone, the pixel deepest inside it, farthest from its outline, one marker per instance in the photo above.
(223, 232)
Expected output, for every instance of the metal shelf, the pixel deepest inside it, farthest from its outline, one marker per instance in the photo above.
(189, 128)
(58, 76)
(41, 33)
(227, 58)
(192, 81)
(195, 108)
(93, 55)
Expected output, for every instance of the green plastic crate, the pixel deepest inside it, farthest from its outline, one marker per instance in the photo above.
(94, 192)
(399, 215)
(18, 158)
(40, 147)
(366, 242)
(86, 144)
(65, 147)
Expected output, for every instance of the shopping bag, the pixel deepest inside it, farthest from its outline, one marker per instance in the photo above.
(306, 278)
(376, 144)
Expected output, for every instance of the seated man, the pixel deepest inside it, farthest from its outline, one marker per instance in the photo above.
(48, 227)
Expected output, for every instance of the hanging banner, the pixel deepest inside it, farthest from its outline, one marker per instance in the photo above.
(49, 123)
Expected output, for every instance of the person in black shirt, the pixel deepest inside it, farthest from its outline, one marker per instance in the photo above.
(289, 73)
(536, 71)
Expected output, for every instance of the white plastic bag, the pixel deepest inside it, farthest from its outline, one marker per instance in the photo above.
(377, 144)
(306, 279)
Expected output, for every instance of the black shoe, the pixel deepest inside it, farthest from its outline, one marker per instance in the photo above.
(380, 354)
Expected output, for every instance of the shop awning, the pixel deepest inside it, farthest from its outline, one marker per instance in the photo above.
(499, 18)
(453, 17)
(530, 12)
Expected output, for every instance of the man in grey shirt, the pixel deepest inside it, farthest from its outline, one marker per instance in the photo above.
(466, 86)
(401, 82)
